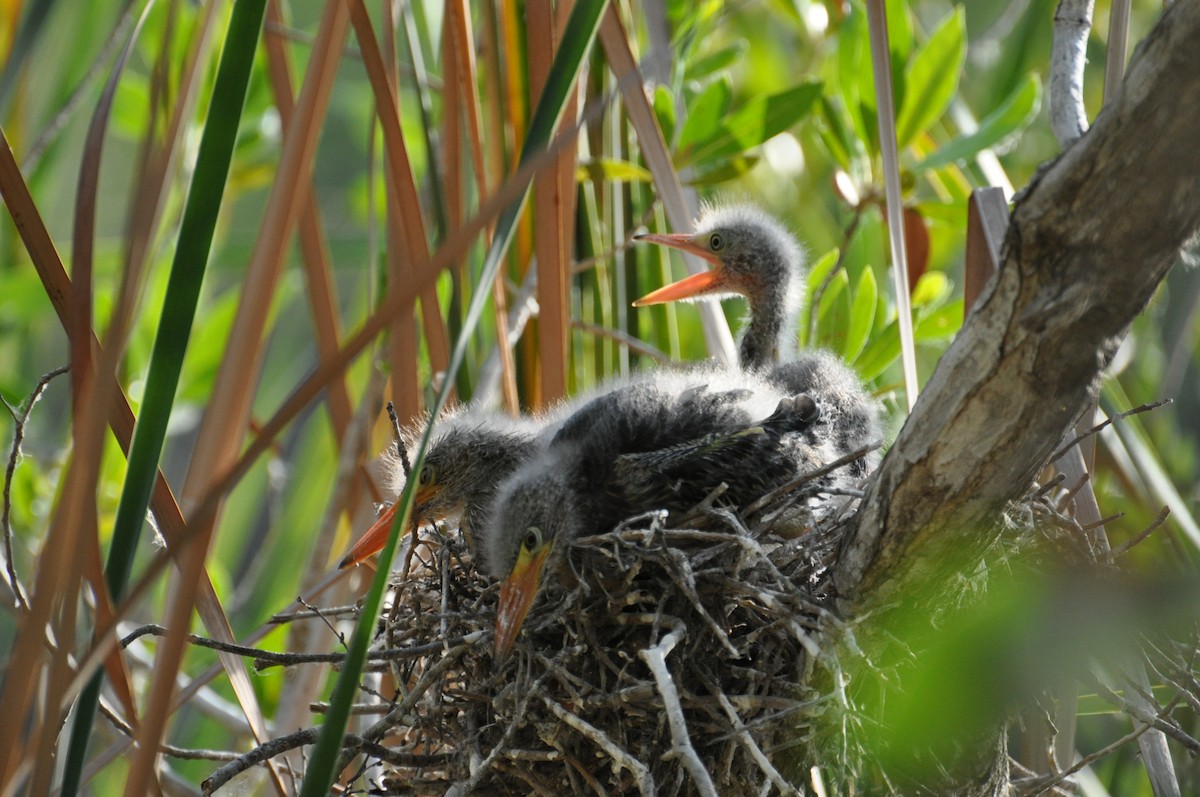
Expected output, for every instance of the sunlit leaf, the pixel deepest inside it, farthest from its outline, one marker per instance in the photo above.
(758, 120)
(880, 353)
(862, 315)
(833, 311)
(817, 273)
(941, 324)
(900, 35)
(600, 169)
(1018, 110)
(728, 170)
(932, 78)
(131, 107)
(834, 133)
(856, 82)
(704, 116)
(702, 68)
(664, 109)
(931, 289)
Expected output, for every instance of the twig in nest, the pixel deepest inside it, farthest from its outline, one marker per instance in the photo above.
(656, 660)
(743, 735)
(1070, 494)
(684, 578)
(641, 773)
(341, 638)
(164, 748)
(356, 709)
(274, 747)
(401, 449)
(1106, 422)
(265, 659)
(1058, 479)
(20, 419)
(478, 772)
(1124, 547)
(335, 611)
(1102, 521)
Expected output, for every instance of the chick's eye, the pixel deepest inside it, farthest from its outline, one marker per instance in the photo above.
(716, 242)
(533, 539)
(426, 476)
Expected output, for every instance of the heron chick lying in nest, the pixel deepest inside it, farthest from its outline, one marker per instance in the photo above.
(687, 640)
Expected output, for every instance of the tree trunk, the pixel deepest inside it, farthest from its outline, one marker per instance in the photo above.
(1089, 241)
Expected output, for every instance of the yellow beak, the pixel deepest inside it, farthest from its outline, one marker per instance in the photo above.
(688, 287)
(516, 596)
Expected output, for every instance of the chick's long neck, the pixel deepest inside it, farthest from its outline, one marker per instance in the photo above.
(770, 320)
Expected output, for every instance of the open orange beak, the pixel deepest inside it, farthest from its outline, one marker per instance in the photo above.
(688, 287)
(516, 596)
(373, 540)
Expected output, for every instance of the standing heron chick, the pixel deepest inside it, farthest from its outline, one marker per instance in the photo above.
(753, 255)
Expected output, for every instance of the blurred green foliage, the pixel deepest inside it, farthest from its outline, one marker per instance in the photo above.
(771, 101)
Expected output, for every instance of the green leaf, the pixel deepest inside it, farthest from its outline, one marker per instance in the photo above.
(941, 212)
(856, 81)
(816, 275)
(704, 116)
(726, 170)
(862, 315)
(600, 169)
(833, 312)
(941, 324)
(833, 132)
(879, 354)
(704, 67)
(931, 289)
(820, 270)
(1015, 112)
(664, 109)
(932, 78)
(131, 107)
(900, 34)
(757, 121)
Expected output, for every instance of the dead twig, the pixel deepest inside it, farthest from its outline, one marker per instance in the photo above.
(1106, 422)
(1125, 547)
(20, 419)
(265, 659)
(398, 436)
(656, 660)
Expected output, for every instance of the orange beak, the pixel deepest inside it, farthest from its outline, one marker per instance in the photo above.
(516, 596)
(688, 287)
(373, 540)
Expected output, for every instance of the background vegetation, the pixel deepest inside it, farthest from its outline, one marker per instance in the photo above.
(368, 140)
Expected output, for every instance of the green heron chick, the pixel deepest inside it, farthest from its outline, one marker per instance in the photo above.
(753, 255)
(470, 453)
(657, 444)
(468, 456)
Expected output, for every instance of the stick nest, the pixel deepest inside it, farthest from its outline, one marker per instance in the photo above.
(670, 667)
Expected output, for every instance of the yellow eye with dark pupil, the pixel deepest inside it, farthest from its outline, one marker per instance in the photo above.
(716, 242)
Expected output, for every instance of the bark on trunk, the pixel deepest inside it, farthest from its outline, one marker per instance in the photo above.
(1089, 241)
